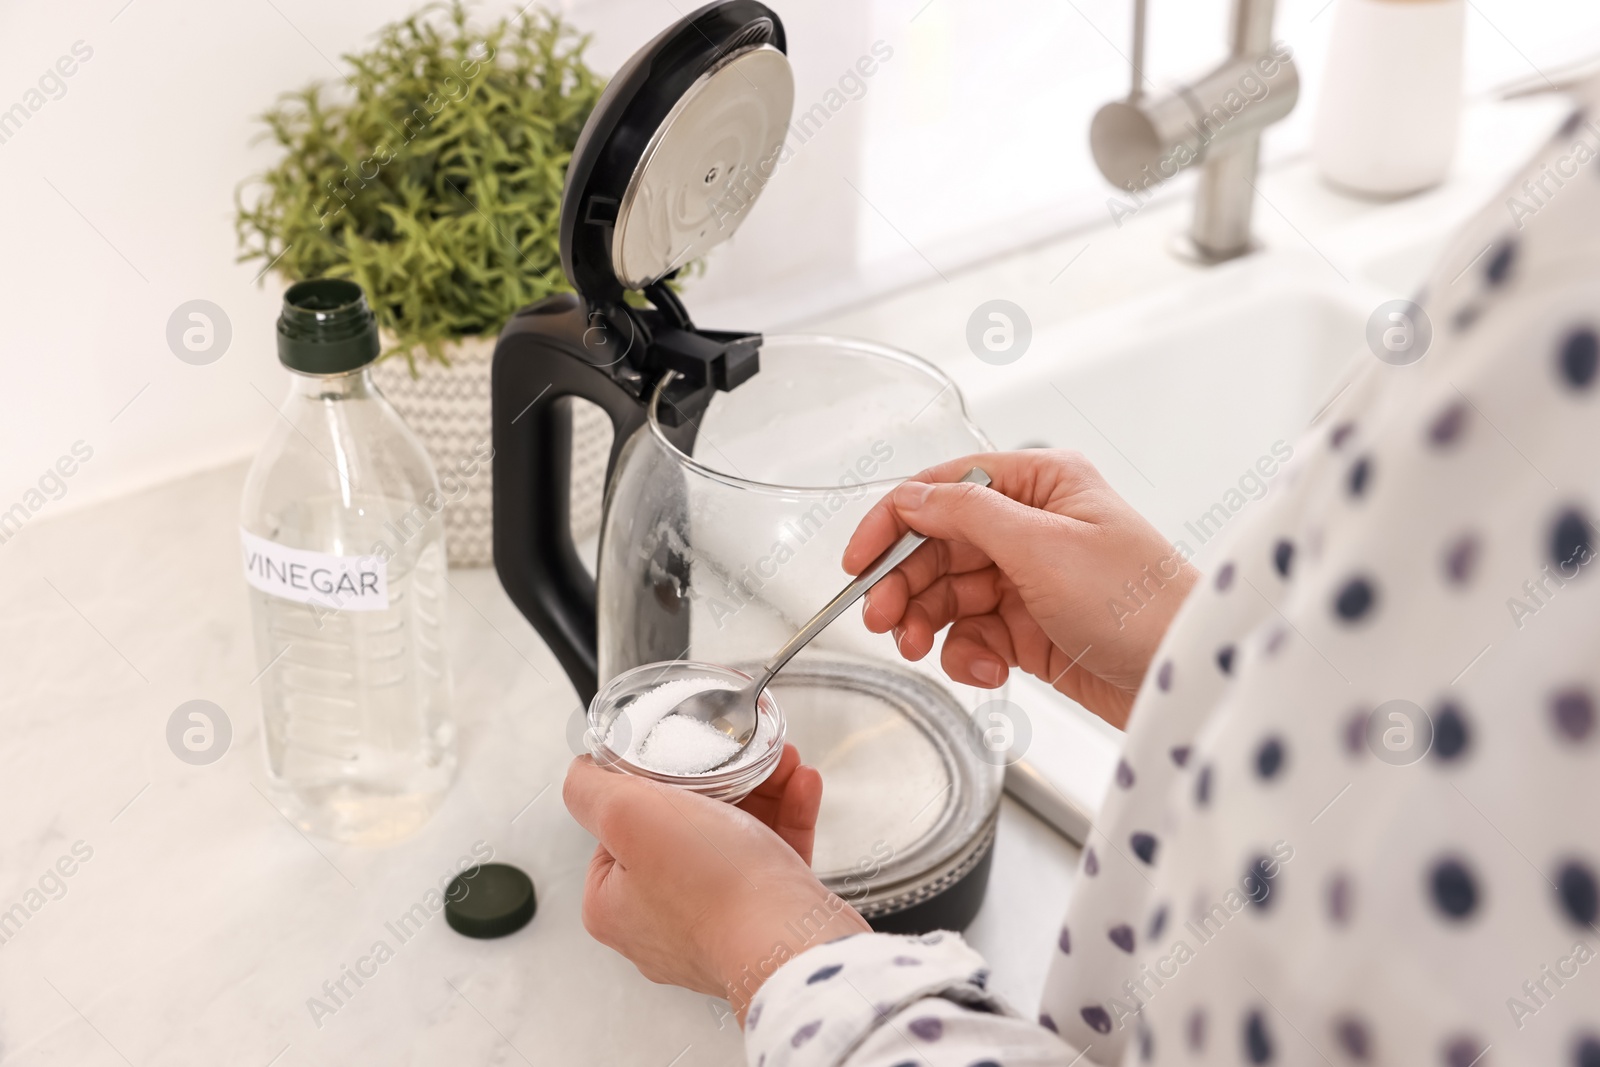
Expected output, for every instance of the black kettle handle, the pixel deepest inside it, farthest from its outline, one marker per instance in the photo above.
(547, 354)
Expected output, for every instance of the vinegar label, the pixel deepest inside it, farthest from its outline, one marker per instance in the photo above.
(336, 583)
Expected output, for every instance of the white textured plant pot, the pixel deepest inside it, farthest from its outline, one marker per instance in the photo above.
(448, 407)
(1390, 107)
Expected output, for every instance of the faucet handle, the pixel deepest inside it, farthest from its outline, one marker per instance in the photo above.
(1140, 143)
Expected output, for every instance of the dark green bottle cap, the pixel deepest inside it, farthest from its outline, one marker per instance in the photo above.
(491, 900)
(326, 328)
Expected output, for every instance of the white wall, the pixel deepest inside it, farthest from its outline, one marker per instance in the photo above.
(118, 194)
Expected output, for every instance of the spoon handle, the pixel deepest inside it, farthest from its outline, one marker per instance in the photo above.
(895, 555)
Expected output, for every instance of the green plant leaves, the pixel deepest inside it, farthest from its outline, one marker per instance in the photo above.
(433, 177)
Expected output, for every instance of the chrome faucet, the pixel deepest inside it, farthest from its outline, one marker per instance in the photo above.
(1214, 121)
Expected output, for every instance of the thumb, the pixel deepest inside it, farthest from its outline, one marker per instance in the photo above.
(971, 514)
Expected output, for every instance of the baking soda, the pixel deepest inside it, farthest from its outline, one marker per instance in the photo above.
(647, 733)
(681, 745)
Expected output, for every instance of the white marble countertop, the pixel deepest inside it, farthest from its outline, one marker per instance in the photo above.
(202, 921)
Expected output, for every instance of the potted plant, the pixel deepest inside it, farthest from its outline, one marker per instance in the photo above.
(433, 178)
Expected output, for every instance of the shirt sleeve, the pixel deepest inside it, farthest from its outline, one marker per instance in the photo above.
(879, 1000)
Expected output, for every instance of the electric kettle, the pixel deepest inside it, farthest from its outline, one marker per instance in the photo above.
(739, 468)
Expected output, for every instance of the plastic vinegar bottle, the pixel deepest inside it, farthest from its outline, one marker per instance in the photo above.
(342, 530)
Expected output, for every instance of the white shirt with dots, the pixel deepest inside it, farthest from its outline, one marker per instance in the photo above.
(1358, 817)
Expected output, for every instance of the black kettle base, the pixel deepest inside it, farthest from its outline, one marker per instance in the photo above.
(953, 908)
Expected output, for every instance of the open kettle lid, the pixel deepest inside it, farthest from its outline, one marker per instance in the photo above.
(678, 148)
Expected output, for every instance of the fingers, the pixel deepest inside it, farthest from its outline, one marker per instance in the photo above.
(583, 793)
(878, 530)
(926, 566)
(937, 558)
(978, 651)
(917, 619)
(1033, 479)
(971, 515)
(778, 780)
(883, 524)
(788, 802)
(764, 799)
(630, 816)
(796, 821)
(885, 603)
(976, 535)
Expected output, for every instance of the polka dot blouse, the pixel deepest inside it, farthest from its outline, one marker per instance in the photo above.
(1358, 815)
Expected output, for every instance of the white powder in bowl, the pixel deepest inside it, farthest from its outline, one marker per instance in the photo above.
(681, 745)
(647, 733)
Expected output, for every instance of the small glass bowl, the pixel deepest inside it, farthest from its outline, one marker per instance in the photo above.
(731, 784)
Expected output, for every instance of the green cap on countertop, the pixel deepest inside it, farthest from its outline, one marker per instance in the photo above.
(326, 328)
(491, 900)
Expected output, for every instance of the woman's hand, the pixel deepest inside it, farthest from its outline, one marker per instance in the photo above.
(1032, 572)
(701, 894)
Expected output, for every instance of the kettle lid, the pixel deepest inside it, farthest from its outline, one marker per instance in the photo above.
(677, 149)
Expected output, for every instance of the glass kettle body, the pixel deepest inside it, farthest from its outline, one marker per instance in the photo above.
(737, 537)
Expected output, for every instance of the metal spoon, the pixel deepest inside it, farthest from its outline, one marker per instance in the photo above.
(733, 711)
